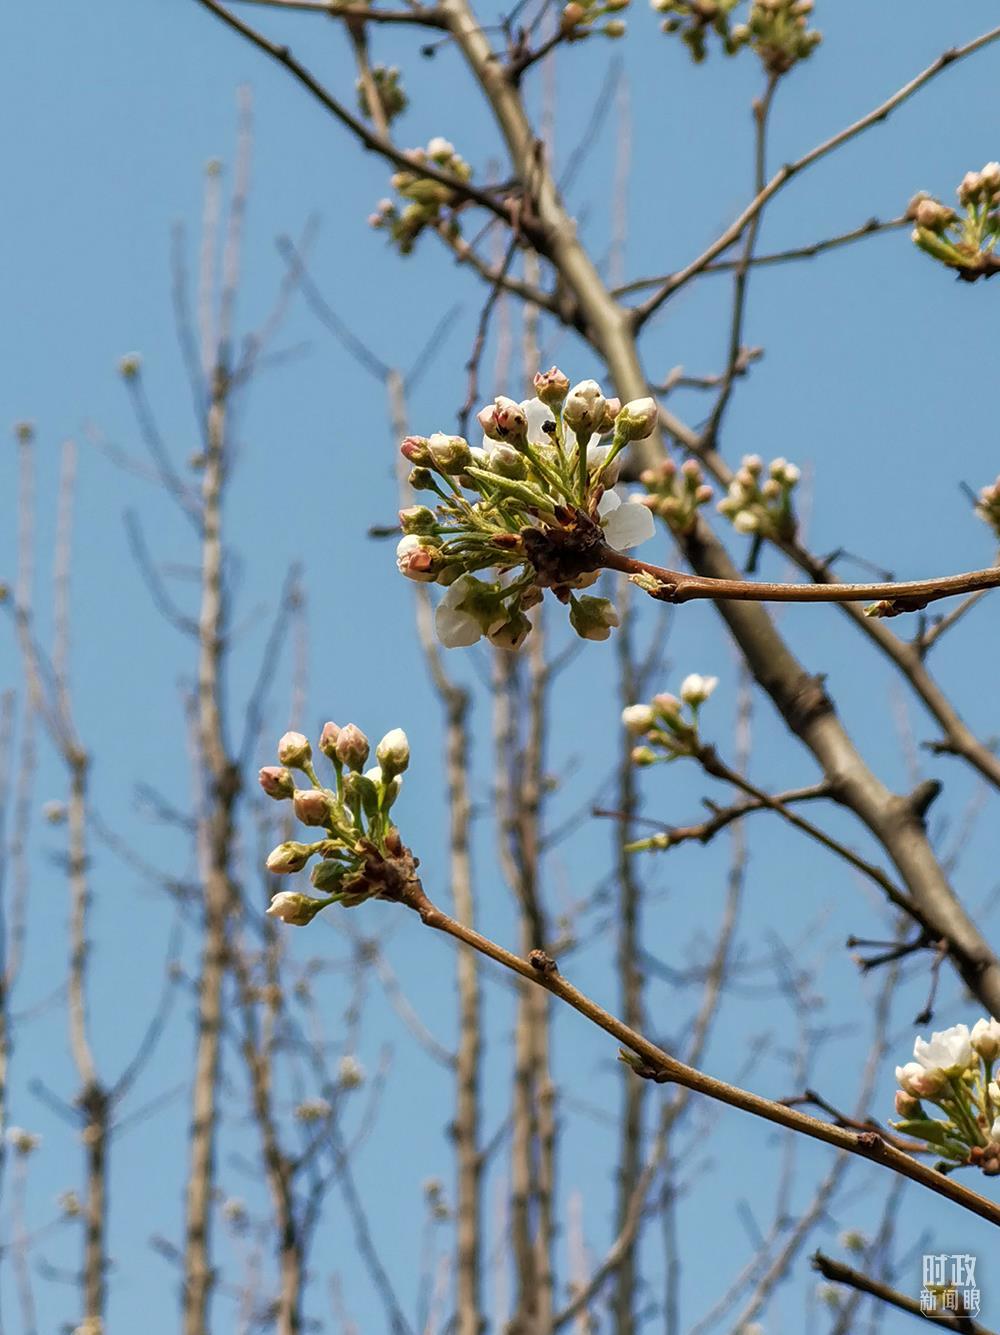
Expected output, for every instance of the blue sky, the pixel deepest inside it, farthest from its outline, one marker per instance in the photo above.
(877, 379)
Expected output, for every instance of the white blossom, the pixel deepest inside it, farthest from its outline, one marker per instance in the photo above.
(625, 525)
(949, 1050)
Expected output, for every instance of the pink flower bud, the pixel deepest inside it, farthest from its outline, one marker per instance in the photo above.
(328, 739)
(277, 782)
(418, 558)
(906, 1104)
(352, 747)
(667, 706)
(510, 418)
(294, 750)
(415, 449)
(312, 806)
(551, 386)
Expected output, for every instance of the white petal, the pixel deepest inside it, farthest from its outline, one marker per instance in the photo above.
(608, 503)
(537, 414)
(628, 525)
(455, 630)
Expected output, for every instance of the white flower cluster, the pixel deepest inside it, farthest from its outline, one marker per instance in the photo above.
(543, 512)
(963, 241)
(954, 1071)
(360, 855)
(665, 730)
(428, 202)
(763, 507)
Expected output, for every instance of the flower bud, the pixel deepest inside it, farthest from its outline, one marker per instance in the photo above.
(393, 753)
(422, 479)
(906, 1104)
(288, 857)
(418, 558)
(584, 408)
(985, 1039)
(593, 618)
(417, 519)
(551, 386)
(666, 705)
(932, 215)
(505, 461)
(638, 719)
(363, 788)
(636, 420)
(440, 149)
(448, 454)
(615, 28)
(277, 782)
(295, 909)
(968, 190)
(352, 747)
(415, 449)
(573, 14)
(294, 750)
(745, 521)
(990, 176)
(696, 689)
(328, 740)
(130, 366)
(326, 875)
(312, 806)
(643, 755)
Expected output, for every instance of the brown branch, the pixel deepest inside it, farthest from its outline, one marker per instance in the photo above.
(873, 227)
(419, 15)
(675, 586)
(838, 1273)
(659, 1066)
(368, 138)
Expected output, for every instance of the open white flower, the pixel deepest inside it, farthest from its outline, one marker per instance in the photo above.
(455, 627)
(949, 1050)
(625, 524)
(469, 610)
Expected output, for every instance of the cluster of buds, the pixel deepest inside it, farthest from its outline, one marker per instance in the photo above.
(963, 241)
(676, 494)
(762, 507)
(777, 30)
(360, 855)
(427, 200)
(542, 513)
(988, 506)
(665, 732)
(388, 90)
(954, 1072)
(580, 18)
